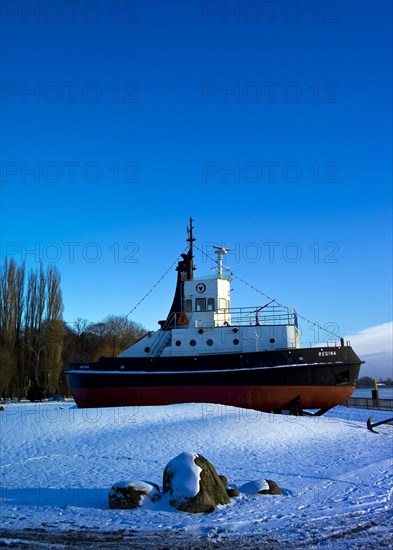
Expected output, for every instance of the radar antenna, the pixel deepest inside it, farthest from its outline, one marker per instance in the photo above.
(220, 251)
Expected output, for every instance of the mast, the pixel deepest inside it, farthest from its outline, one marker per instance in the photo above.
(185, 268)
(220, 251)
(190, 255)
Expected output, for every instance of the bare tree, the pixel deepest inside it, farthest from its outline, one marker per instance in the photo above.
(44, 329)
(11, 311)
(115, 334)
(53, 329)
(35, 343)
(33, 335)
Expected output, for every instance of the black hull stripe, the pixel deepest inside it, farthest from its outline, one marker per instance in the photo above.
(195, 371)
(314, 375)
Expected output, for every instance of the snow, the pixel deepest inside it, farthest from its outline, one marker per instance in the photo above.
(58, 464)
(253, 487)
(137, 485)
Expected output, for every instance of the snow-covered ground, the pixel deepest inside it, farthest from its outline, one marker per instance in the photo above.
(58, 464)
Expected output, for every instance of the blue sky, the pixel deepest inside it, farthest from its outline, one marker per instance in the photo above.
(272, 129)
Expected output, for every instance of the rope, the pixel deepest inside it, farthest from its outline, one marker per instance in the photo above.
(269, 297)
(156, 284)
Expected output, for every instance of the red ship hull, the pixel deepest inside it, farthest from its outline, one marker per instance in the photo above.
(272, 398)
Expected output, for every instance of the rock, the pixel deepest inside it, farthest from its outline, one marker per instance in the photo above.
(261, 487)
(253, 487)
(193, 483)
(131, 494)
(232, 492)
(224, 480)
(274, 489)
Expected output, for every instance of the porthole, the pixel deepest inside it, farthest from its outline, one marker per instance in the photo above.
(147, 349)
(209, 342)
(235, 330)
(192, 342)
(178, 343)
(272, 340)
(236, 341)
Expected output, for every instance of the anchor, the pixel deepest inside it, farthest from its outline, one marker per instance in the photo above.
(370, 425)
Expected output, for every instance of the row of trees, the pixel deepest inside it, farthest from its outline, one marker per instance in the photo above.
(86, 341)
(31, 328)
(36, 344)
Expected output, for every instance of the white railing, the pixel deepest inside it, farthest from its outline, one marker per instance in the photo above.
(259, 315)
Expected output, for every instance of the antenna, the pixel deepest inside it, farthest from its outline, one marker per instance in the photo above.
(220, 251)
(190, 263)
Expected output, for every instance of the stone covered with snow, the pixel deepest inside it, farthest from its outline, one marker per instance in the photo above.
(131, 494)
(274, 489)
(193, 483)
(261, 487)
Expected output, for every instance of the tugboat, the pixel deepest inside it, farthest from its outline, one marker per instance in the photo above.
(205, 351)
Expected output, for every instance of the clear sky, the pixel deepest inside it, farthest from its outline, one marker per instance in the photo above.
(268, 122)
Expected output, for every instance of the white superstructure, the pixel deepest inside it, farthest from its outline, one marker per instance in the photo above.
(207, 325)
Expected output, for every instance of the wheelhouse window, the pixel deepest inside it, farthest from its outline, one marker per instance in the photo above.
(188, 305)
(223, 303)
(210, 304)
(200, 304)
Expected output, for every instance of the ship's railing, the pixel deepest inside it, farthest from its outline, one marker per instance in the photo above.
(259, 315)
(163, 336)
(242, 316)
(333, 343)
